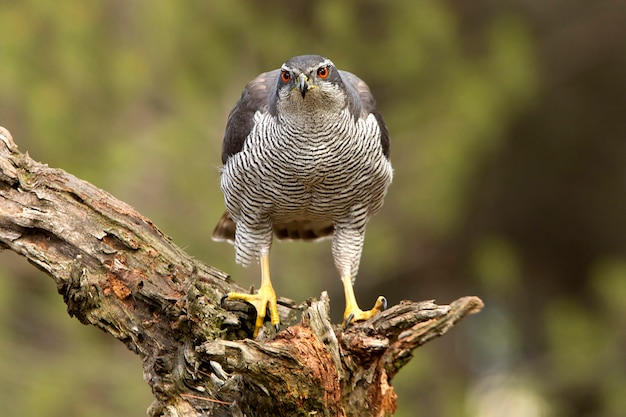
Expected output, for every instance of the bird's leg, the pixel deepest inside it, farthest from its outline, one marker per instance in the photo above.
(264, 298)
(347, 246)
(352, 311)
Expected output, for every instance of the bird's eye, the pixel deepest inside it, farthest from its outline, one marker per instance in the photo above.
(323, 72)
(285, 76)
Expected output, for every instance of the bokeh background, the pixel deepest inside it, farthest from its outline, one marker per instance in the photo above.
(508, 125)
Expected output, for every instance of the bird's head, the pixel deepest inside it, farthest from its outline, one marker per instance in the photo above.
(310, 81)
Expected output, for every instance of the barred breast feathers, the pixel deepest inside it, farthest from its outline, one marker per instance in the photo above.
(277, 162)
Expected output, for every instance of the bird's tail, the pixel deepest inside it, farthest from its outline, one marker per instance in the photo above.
(225, 229)
(307, 230)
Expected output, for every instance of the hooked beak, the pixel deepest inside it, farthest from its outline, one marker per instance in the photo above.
(303, 84)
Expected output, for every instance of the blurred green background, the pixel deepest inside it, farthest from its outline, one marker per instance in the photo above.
(508, 134)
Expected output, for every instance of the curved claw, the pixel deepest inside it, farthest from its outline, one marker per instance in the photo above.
(224, 297)
(383, 300)
(348, 320)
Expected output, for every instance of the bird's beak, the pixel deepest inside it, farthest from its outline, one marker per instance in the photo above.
(303, 84)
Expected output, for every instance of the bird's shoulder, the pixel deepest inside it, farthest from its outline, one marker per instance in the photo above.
(363, 104)
(255, 97)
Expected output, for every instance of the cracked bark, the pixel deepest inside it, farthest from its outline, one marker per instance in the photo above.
(117, 271)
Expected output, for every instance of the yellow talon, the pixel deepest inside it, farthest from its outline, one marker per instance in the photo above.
(356, 314)
(265, 298)
(352, 311)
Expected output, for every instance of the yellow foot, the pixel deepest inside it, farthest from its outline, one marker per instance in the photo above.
(354, 313)
(266, 297)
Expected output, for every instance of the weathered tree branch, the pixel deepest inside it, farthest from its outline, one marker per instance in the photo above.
(117, 271)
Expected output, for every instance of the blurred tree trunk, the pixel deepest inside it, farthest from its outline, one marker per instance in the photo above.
(117, 271)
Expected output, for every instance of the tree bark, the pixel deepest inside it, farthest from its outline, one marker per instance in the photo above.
(117, 271)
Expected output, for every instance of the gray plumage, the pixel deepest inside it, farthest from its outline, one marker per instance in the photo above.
(306, 156)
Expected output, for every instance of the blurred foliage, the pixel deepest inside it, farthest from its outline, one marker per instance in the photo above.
(507, 141)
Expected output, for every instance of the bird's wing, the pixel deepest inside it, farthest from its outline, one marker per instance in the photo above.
(362, 94)
(255, 96)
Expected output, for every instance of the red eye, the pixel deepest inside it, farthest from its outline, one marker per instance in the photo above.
(323, 72)
(285, 76)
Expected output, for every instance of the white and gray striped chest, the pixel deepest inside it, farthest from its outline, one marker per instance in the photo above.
(313, 149)
(316, 166)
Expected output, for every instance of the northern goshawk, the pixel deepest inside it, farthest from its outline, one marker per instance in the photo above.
(306, 156)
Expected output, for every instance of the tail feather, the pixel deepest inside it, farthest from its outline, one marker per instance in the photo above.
(224, 229)
(303, 230)
(293, 230)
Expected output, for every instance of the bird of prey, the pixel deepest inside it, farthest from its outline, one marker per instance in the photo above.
(305, 156)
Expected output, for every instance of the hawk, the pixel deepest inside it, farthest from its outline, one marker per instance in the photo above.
(305, 156)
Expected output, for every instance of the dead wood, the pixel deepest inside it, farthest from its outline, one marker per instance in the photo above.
(117, 271)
